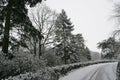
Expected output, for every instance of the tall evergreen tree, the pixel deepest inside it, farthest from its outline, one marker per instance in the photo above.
(78, 49)
(63, 29)
(13, 13)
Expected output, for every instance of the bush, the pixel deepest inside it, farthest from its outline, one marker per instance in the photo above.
(21, 63)
(43, 74)
(53, 73)
(51, 59)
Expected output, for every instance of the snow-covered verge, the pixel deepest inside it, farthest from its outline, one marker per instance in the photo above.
(53, 73)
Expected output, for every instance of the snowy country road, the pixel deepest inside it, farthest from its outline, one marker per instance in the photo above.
(104, 71)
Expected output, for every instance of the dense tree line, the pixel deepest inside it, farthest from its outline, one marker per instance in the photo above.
(42, 29)
(37, 35)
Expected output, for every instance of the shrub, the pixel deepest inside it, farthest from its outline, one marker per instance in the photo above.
(51, 59)
(21, 63)
(43, 74)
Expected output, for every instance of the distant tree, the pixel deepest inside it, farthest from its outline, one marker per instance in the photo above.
(13, 13)
(76, 45)
(88, 53)
(63, 29)
(108, 47)
(79, 49)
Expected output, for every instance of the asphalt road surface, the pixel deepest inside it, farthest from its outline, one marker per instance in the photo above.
(103, 71)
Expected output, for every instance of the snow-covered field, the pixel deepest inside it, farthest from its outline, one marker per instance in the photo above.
(104, 71)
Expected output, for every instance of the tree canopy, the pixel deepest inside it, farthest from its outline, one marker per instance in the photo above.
(13, 13)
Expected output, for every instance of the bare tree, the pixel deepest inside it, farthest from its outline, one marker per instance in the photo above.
(43, 18)
(116, 16)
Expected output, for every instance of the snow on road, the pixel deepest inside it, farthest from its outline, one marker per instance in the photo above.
(104, 71)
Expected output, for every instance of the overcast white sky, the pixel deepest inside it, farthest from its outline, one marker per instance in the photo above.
(90, 17)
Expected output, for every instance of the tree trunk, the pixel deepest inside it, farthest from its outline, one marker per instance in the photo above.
(40, 51)
(64, 41)
(6, 30)
(65, 57)
(35, 47)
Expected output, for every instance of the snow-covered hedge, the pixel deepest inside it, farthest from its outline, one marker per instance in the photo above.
(62, 70)
(45, 74)
(53, 73)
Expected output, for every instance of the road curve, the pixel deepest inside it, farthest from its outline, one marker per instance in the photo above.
(103, 71)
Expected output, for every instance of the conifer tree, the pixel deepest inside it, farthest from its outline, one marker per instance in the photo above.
(13, 13)
(63, 29)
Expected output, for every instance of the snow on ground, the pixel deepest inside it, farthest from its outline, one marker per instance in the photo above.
(103, 71)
